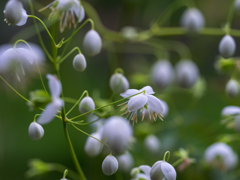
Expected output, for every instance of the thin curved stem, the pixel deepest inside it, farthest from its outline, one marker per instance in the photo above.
(66, 56)
(168, 152)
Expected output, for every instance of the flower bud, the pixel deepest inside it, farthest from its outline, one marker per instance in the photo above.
(134, 172)
(79, 62)
(35, 131)
(129, 32)
(162, 73)
(193, 20)
(118, 83)
(125, 162)
(152, 144)
(117, 133)
(110, 165)
(227, 46)
(221, 155)
(14, 13)
(187, 73)
(162, 169)
(86, 104)
(232, 88)
(165, 108)
(92, 43)
(92, 146)
(237, 5)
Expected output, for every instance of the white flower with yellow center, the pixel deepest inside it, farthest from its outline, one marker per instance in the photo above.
(145, 102)
(72, 12)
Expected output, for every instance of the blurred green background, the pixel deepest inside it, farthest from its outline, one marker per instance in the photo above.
(192, 123)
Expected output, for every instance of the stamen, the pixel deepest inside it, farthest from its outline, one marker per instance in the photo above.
(124, 107)
(154, 116)
(159, 115)
(141, 109)
(122, 104)
(128, 115)
(18, 77)
(134, 115)
(124, 113)
(22, 69)
(143, 115)
(149, 114)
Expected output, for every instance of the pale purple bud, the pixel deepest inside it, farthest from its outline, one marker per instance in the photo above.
(86, 104)
(92, 43)
(162, 169)
(126, 162)
(118, 83)
(152, 144)
(79, 62)
(92, 146)
(35, 131)
(232, 88)
(109, 165)
(227, 46)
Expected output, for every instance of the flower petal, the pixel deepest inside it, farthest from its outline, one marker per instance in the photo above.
(24, 18)
(230, 110)
(148, 90)
(129, 92)
(143, 176)
(54, 86)
(146, 169)
(137, 102)
(168, 171)
(50, 111)
(154, 104)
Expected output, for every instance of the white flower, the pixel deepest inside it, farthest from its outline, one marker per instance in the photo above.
(232, 88)
(109, 165)
(162, 169)
(96, 124)
(92, 146)
(86, 104)
(162, 73)
(230, 110)
(145, 102)
(92, 43)
(125, 162)
(193, 20)
(72, 12)
(221, 155)
(117, 133)
(79, 62)
(14, 13)
(35, 131)
(187, 73)
(227, 46)
(146, 173)
(118, 83)
(57, 103)
(152, 143)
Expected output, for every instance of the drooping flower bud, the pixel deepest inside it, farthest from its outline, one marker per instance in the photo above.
(117, 133)
(232, 88)
(187, 73)
(162, 73)
(118, 83)
(35, 131)
(227, 46)
(86, 104)
(92, 146)
(92, 43)
(152, 143)
(162, 169)
(109, 165)
(193, 20)
(79, 62)
(14, 13)
(125, 162)
(221, 155)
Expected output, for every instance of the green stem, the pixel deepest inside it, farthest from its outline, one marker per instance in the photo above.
(85, 92)
(178, 162)
(230, 16)
(164, 157)
(38, 33)
(69, 100)
(104, 106)
(60, 168)
(66, 56)
(74, 157)
(88, 20)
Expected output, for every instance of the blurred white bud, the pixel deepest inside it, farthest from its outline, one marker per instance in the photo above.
(86, 104)
(227, 46)
(96, 124)
(129, 32)
(221, 155)
(117, 133)
(118, 83)
(237, 5)
(187, 73)
(92, 146)
(162, 169)
(232, 88)
(35, 131)
(237, 123)
(162, 73)
(126, 162)
(79, 62)
(165, 108)
(109, 165)
(14, 13)
(230, 110)
(152, 144)
(193, 20)
(92, 43)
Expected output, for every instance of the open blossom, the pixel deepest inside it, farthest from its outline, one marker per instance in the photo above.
(57, 103)
(161, 170)
(145, 102)
(72, 12)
